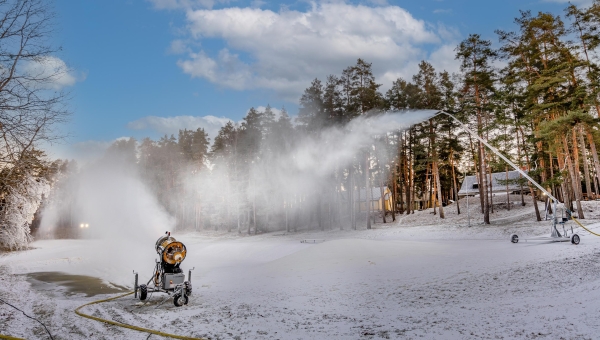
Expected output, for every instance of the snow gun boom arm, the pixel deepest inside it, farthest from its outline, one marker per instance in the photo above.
(502, 156)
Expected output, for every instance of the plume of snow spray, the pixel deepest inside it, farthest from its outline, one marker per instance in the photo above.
(337, 146)
(116, 209)
(124, 214)
(306, 169)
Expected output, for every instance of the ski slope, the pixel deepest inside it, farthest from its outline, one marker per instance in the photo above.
(395, 281)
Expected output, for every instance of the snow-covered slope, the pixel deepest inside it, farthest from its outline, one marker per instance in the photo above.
(439, 281)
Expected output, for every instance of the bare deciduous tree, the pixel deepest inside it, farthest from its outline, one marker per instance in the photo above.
(31, 104)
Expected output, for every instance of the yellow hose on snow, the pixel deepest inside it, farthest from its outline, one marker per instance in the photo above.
(124, 325)
(7, 337)
(581, 225)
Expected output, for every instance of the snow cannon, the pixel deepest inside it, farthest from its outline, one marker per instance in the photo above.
(167, 277)
(170, 251)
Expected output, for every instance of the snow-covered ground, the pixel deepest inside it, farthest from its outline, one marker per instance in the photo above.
(418, 277)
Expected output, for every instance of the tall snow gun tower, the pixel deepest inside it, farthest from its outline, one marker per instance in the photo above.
(555, 234)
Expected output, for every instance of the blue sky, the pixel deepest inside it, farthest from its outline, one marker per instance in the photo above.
(150, 67)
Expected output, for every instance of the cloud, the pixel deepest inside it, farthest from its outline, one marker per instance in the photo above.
(379, 2)
(52, 72)
(172, 125)
(284, 50)
(258, 3)
(227, 70)
(448, 33)
(575, 2)
(185, 4)
(178, 46)
(444, 58)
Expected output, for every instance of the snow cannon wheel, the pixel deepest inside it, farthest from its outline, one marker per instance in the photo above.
(514, 239)
(180, 300)
(575, 239)
(143, 292)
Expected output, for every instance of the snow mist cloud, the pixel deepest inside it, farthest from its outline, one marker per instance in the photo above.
(236, 191)
(121, 209)
(337, 146)
(109, 196)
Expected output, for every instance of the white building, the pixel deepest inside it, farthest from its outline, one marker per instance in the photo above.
(470, 185)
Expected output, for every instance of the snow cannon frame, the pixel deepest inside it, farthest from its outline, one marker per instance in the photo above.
(555, 235)
(167, 276)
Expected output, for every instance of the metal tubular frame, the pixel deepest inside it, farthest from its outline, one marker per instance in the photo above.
(554, 233)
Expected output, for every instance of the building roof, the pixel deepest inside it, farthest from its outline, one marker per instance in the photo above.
(470, 183)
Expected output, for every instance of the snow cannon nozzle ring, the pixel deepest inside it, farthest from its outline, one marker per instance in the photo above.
(169, 250)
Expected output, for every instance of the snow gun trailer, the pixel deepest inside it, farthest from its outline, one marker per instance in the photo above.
(555, 234)
(167, 277)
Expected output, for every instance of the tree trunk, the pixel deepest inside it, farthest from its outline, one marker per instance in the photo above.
(531, 190)
(320, 210)
(394, 192)
(330, 206)
(454, 187)
(352, 200)
(594, 153)
(483, 184)
(477, 173)
(339, 206)
(367, 190)
(407, 182)
(586, 169)
(439, 188)
(412, 176)
(429, 183)
(507, 191)
(576, 165)
(491, 190)
(563, 185)
(434, 169)
(254, 215)
(382, 201)
(286, 208)
(551, 162)
(248, 225)
(359, 200)
(573, 178)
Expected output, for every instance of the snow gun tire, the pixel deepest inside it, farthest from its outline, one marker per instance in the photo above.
(575, 239)
(180, 300)
(143, 292)
(514, 239)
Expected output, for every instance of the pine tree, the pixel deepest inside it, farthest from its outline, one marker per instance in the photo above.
(310, 113)
(476, 55)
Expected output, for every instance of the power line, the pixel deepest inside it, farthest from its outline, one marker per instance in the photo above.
(50, 335)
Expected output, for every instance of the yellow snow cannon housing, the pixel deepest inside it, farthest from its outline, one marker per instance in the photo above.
(170, 250)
